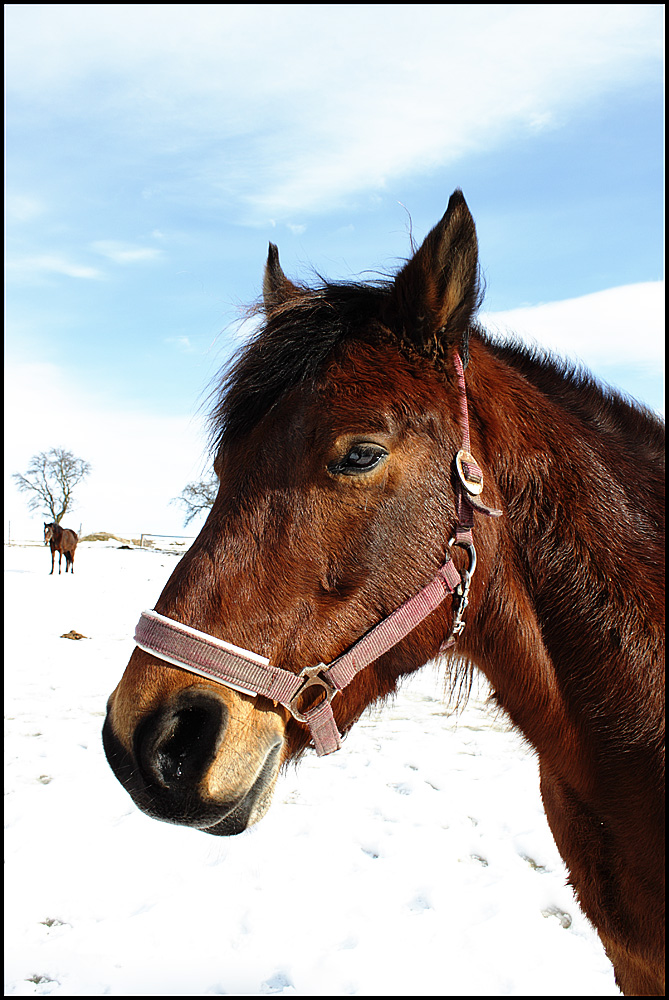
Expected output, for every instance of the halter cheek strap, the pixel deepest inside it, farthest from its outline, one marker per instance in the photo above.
(253, 674)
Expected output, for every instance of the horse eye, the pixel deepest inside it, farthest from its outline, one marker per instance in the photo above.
(359, 459)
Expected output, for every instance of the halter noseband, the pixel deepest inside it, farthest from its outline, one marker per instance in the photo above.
(253, 674)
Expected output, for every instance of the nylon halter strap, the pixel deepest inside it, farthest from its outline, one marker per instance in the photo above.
(253, 674)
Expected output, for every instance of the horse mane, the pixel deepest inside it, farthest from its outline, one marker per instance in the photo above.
(297, 337)
(573, 387)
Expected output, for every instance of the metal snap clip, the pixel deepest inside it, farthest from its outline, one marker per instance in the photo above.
(462, 590)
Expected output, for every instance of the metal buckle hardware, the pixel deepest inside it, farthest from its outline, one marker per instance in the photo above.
(462, 590)
(473, 486)
(312, 678)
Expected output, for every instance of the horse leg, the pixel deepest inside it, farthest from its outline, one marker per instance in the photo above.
(60, 559)
(53, 555)
(623, 915)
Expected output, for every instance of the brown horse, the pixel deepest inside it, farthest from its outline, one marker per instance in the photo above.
(64, 542)
(345, 436)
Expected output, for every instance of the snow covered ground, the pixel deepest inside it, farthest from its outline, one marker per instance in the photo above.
(415, 862)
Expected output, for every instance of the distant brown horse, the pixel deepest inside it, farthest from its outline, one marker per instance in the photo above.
(352, 528)
(64, 542)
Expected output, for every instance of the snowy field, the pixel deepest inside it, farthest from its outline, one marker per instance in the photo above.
(415, 862)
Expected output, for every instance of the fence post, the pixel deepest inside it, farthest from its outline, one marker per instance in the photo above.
(150, 534)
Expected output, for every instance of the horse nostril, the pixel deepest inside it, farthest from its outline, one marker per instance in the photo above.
(181, 753)
(177, 745)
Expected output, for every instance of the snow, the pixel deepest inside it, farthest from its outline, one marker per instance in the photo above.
(416, 861)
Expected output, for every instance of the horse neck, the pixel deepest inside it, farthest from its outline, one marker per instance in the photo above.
(557, 599)
(556, 443)
(56, 537)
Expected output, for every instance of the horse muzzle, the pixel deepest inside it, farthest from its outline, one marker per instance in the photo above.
(185, 764)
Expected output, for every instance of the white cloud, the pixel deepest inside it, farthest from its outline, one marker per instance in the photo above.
(23, 208)
(330, 100)
(36, 266)
(619, 326)
(183, 343)
(125, 253)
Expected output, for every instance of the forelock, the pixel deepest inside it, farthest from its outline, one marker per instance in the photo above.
(290, 349)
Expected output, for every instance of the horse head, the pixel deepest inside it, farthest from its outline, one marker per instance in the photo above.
(335, 434)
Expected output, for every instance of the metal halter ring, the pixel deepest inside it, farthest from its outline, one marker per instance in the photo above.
(471, 552)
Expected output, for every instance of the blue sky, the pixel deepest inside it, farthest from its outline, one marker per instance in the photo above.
(152, 151)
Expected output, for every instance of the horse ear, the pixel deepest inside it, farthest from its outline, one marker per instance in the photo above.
(276, 287)
(436, 294)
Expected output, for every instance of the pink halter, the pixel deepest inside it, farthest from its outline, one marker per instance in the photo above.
(253, 674)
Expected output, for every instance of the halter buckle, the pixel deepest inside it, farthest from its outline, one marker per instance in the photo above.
(312, 678)
(473, 485)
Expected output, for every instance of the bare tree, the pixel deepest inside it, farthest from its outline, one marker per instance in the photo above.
(50, 481)
(197, 497)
